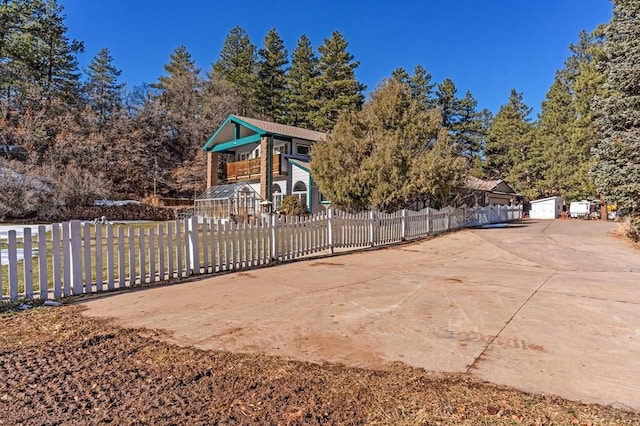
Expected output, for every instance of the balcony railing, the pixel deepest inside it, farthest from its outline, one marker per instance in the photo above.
(250, 169)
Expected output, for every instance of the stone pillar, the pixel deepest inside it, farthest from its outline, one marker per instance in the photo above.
(212, 169)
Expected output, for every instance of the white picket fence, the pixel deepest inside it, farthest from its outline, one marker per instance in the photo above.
(74, 258)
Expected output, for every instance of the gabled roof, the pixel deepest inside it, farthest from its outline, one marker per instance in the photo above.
(236, 131)
(285, 130)
(497, 185)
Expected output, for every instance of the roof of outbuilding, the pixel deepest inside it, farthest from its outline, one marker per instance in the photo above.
(497, 185)
(220, 192)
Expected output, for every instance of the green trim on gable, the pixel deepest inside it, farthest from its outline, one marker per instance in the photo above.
(236, 143)
(293, 161)
(236, 132)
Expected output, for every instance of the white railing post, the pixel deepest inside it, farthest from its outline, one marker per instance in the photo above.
(330, 228)
(13, 265)
(371, 229)
(110, 258)
(66, 258)
(193, 248)
(98, 257)
(76, 257)
(27, 262)
(42, 262)
(56, 260)
(274, 238)
(403, 227)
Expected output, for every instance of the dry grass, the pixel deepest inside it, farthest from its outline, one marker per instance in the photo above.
(58, 367)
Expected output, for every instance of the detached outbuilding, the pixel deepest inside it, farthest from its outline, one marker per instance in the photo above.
(546, 208)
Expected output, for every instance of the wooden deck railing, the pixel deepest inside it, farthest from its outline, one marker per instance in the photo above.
(250, 169)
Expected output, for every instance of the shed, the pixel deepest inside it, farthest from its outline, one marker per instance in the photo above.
(546, 208)
(231, 201)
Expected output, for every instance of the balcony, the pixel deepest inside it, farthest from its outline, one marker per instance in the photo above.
(250, 169)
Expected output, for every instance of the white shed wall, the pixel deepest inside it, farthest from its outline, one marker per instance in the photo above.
(546, 208)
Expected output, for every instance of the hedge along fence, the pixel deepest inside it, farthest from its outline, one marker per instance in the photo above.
(75, 258)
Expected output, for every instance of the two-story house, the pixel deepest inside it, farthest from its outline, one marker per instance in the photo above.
(262, 162)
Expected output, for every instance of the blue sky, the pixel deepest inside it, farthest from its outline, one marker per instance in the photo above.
(485, 46)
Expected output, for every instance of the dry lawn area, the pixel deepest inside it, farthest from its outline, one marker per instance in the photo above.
(59, 367)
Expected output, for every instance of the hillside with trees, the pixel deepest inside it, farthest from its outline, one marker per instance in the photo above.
(69, 136)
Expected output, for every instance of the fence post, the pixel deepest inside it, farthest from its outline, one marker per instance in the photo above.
(428, 221)
(27, 262)
(403, 226)
(76, 257)
(193, 247)
(371, 229)
(98, 256)
(56, 260)
(330, 228)
(110, 259)
(42, 261)
(274, 238)
(13, 265)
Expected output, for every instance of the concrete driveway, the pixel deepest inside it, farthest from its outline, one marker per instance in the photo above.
(543, 306)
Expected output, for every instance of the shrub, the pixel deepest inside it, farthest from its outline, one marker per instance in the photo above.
(291, 205)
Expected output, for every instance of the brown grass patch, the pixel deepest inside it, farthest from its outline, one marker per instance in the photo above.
(58, 367)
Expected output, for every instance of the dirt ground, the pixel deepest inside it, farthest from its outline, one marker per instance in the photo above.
(59, 367)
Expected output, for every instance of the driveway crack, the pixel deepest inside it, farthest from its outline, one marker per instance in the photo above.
(475, 362)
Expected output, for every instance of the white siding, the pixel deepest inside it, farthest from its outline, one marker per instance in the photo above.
(546, 208)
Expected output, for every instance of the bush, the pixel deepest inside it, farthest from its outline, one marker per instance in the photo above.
(630, 228)
(291, 205)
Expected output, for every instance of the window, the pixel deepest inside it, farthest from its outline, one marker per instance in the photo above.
(300, 191)
(303, 150)
(277, 196)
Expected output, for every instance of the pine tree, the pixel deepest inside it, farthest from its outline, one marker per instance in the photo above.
(102, 89)
(237, 65)
(58, 71)
(617, 155)
(180, 96)
(37, 61)
(508, 144)
(337, 87)
(300, 84)
(448, 103)
(272, 59)
(470, 129)
(422, 87)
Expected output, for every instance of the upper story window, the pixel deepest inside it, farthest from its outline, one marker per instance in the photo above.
(302, 149)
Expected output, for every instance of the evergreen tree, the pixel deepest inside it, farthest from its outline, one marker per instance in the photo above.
(422, 87)
(508, 144)
(272, 59)
(58, 70)
(388, 156)
(617, 155)
(469, 131)
(102, 89)
(337, 87)
(37, 61)
(180, 95)
(448, 103)
(300, 84)
(237, 65)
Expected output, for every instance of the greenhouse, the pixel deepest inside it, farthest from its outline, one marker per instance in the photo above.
(235, 201)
